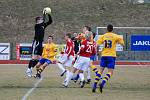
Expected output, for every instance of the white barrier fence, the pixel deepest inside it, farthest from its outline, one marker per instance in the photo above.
(4, 51)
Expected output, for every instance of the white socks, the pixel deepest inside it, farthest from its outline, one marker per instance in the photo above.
(88, 73)
(69, 75)
(81, 75)
(61, 67)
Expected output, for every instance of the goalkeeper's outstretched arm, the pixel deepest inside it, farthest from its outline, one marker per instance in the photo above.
(46, 23)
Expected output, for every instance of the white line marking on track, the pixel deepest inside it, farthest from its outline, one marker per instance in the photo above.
(31, 90)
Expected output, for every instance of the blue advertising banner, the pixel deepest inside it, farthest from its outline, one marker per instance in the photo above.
(140, 42)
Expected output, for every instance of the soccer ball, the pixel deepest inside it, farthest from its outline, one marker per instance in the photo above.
(47, 10)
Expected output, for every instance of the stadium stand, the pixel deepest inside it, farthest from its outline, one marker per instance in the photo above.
(17, 20)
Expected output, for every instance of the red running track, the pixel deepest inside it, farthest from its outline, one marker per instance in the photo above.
(95, 62)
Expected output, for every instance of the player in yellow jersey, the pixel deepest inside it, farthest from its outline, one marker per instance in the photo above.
(108, 55)
(48, 56)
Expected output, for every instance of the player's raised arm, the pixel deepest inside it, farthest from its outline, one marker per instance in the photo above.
(47, 16)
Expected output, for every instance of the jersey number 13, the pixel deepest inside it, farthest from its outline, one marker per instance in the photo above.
(107, 43)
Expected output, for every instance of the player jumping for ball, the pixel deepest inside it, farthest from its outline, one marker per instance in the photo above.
(39, 27)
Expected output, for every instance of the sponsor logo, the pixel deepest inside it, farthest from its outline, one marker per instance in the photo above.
(141, 43)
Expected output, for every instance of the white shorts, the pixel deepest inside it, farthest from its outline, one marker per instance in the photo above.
(64, 60)
(82, 63)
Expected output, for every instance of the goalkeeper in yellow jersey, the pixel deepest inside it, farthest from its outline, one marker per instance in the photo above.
(48, 56)
(108, 56)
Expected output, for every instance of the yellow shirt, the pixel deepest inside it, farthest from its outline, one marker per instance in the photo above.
(110, 40)
(49, 51)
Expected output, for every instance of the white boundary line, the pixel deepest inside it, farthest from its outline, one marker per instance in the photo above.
(31, 90)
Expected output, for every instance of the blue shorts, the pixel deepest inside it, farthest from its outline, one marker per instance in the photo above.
(43, 60)
(108, 62)
(93, 57)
